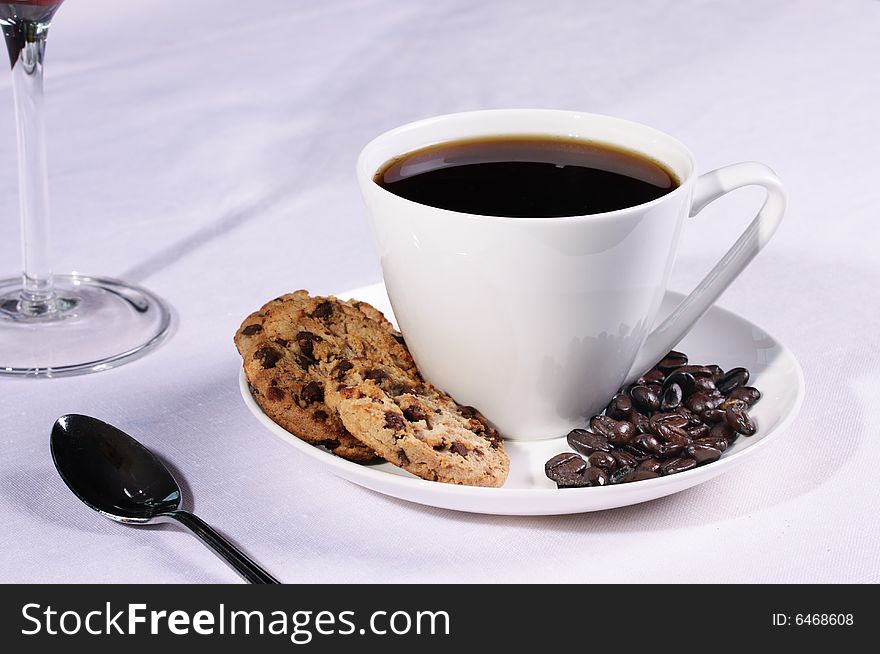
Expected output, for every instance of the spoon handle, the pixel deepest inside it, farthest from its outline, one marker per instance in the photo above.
(243, 565)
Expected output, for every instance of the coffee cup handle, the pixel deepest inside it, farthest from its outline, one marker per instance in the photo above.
(710, 187)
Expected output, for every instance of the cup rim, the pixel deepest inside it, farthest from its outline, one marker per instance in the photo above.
(366, 175)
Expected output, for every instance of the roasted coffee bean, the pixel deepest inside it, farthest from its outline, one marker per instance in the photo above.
(673, 418)
(672, 361)
(621, 475)
(623, 459)
(587, 442)
(719, 444)
(671, 397)
(723, 431)
(674, 435)
(703, 453)
(566, 469)
(648, 443)
(704, 385)
(699, 402)
(674, 466)
(728, 402)
(669, 450)
(712, 416)
(641, 422)
(639, 454)
(748, 394)
(697, 431)
(696, 371)
(595, 477)
(618, 432)
(684, 379)
(653, 376)
(620, 407)
(602, 460)
(670, 419)
(641, 475)
(733, 378)
(692, 418)
(651, 465)
(738, 418)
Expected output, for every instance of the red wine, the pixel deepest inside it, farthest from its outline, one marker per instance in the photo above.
(38, 11)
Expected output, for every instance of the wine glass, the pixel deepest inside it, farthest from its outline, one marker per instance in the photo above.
(52, 324)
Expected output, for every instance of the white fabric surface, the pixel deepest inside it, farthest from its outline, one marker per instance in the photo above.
(206, 149)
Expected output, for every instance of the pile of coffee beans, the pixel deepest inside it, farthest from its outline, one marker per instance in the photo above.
(673, 418)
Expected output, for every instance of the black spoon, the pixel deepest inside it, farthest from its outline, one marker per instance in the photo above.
(120, 478)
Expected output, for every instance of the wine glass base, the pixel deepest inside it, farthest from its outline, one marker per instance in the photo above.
(94, 324)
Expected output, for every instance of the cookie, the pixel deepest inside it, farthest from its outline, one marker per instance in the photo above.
(344, 363)
(424, 431)
(278, 357)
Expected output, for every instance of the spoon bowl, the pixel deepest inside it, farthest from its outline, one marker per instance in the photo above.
(125, 482)
(121, 479)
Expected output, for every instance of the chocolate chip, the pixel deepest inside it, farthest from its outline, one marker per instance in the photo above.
(323, 310)
(460, 449)
(376, 375)
(275, 394)
(493, 437)
(467, 411)
(303, 361)
(250, 330)
(311, 393)
(393, 421)
(341, 368)
(414, 414)
(320, 416)
(268, 356)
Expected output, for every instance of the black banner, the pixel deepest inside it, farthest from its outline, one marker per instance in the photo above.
(433, 618)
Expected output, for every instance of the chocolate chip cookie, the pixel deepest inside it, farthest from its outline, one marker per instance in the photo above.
(422, 430)
(279, 358)
(337, 374)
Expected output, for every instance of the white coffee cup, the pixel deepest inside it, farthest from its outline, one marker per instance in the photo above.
(538, 321)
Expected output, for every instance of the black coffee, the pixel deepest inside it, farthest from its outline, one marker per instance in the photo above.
(526, 177)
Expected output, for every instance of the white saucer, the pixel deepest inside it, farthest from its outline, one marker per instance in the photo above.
(720, 337)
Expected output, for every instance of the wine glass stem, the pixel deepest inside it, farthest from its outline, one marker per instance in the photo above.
(26, 49)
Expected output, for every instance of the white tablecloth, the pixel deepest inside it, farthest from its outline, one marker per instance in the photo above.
(206, 149)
